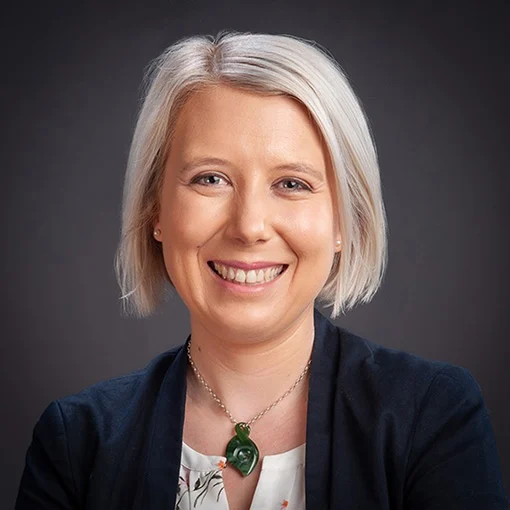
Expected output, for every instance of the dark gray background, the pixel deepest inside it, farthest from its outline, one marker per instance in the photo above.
(435, 84)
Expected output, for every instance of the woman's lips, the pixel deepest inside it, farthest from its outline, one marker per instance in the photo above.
(242, 287)
(247, 266)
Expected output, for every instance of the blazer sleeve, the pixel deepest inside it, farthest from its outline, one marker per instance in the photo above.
(47, 482)
(453, 461)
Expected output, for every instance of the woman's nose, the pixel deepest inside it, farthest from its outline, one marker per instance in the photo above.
(250, 217)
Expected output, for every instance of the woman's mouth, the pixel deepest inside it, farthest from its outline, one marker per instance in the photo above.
(247, 278)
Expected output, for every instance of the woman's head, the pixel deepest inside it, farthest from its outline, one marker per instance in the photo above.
(295, 78)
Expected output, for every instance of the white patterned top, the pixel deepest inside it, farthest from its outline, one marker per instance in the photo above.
(281, 485)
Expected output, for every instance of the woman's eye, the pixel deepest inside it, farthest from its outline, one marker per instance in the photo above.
(295, 185)
(213, 180)
(207, 180)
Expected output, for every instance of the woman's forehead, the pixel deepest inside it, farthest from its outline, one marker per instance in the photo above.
(226, 119)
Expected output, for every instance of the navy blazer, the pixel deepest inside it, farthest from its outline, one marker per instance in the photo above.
(385, 430)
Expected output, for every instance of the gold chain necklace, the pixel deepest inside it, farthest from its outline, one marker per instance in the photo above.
(241, 451)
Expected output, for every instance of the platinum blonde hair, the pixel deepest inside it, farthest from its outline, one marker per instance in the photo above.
(265, 64)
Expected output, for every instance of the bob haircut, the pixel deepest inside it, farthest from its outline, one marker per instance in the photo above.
(263, 64)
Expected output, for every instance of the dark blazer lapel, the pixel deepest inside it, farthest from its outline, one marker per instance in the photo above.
(320, 415)
(164, 455)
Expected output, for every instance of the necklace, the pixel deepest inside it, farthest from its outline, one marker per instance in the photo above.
(242, 452)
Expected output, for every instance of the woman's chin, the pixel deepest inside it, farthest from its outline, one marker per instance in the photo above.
(246, 326)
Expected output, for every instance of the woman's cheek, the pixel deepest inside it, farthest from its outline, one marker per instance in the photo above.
(312, 228)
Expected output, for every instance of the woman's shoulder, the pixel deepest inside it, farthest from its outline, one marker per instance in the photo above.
(433, 419)
(397, 378)
(120, 393)
(360, 353)
(107, 407)
(369, 375)
(101, 427)
(368, 382)
(347, 353)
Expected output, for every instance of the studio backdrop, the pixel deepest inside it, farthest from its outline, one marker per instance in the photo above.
(434, 82)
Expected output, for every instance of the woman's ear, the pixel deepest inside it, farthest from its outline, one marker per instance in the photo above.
(338, 240)
(157, 231)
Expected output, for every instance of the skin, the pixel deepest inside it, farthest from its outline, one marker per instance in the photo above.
(249, 348)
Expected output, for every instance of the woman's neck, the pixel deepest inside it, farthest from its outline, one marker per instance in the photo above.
(248, 376)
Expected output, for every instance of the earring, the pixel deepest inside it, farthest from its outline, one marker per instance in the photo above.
(157, 232)
(338, 243)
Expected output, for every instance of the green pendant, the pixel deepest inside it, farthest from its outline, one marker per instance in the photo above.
(242, 452)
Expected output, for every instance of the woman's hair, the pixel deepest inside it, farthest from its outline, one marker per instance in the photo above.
(265, 64)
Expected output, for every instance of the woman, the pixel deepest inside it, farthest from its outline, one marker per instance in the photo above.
(253, 188)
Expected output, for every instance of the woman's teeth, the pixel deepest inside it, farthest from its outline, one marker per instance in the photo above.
(247, 277)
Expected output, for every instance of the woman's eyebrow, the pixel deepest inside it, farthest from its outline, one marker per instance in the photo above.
(188, 167)
(303, 168)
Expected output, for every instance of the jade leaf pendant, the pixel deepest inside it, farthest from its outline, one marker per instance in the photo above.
(242, 452)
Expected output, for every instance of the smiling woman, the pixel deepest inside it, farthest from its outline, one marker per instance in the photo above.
(280, 79)
(250, 209)
(253, 189)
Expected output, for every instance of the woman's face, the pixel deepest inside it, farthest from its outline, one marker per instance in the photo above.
(246, 182)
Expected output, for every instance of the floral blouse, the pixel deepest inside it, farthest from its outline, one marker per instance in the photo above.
(281, 485)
